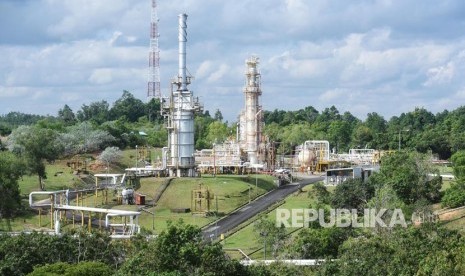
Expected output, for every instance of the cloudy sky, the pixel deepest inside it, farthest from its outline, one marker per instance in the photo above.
(387, 56)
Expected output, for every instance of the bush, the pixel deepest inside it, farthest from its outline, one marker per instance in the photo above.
(454, 196)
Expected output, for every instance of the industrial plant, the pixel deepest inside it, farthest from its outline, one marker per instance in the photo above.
(251, 150)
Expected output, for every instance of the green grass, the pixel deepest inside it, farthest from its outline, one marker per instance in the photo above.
(55, 180)
(227, 194)
(247, 239)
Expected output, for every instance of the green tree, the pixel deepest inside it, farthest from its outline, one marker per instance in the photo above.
(272, 237)
(455, 195)
(97, 112)
(66, 269)
(181, 250)
(218, 115)
(36, 145)
(352, 194)
(217, 132)
(10, 171)
(458, 162)
(129, 107)
(320, 192)
(66, 115)
(20, 254)
(319, 243)
(5, 129)
(409, 174)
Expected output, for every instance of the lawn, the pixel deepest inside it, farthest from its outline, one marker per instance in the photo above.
(247, 239)
(227, 194)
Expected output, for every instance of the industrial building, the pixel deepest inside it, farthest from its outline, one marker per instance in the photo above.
(179, 110)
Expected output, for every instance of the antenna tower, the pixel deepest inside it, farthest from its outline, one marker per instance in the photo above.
(153, 85)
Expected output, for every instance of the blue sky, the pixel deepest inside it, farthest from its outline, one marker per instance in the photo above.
(363, 56)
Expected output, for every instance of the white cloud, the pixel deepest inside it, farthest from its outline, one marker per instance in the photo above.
(218, 74)
(440, 75)
(375, 55)
(101, 76)
(204, 69)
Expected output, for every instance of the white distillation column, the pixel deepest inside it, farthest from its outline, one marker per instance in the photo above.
(252, 109)
(182, 134)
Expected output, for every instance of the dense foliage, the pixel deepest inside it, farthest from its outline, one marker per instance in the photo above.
(425, 250)
(10, 172)
(455, 195)
(180, 250)
(20, 254)
(419, 130)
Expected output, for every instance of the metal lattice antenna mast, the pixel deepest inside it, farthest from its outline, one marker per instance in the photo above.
(153, 85)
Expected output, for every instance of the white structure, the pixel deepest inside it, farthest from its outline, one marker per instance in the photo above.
(311, 152)
(58, 202)
(251, 118)
(179, 110)
(223, 156)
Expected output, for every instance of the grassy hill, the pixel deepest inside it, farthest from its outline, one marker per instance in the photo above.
(228, 192)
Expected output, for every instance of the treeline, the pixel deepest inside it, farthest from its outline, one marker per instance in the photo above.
(442, 133)
(127, 122)
(179, 250)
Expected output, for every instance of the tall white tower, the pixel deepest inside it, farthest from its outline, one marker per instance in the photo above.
(180, 109)
(250, 127)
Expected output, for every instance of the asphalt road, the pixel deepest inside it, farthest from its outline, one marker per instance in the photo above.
(234, 219)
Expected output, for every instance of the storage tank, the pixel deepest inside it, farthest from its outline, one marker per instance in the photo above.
(306, 157)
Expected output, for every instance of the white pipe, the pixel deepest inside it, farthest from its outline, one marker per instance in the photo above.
(31, 202)
(182, 50)
(57, 223)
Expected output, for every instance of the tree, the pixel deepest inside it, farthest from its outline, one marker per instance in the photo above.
(153, 111)
(272, 237)
(423, 250)
(5, 129)
(10, 171)
(129, 107)
(458, 162)
(66, 115)
(83, 137)
(352, 194)
(66, 269)
(218, 116)
(110, 155)
(180, 250)
(409, 174)
(321, 193)
(361, 256)
(97, 112)
(20, 254)
(455, 195)
(217, 132)
(319, 243)
(36, 145)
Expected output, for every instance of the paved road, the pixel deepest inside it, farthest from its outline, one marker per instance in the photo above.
(246, 212)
